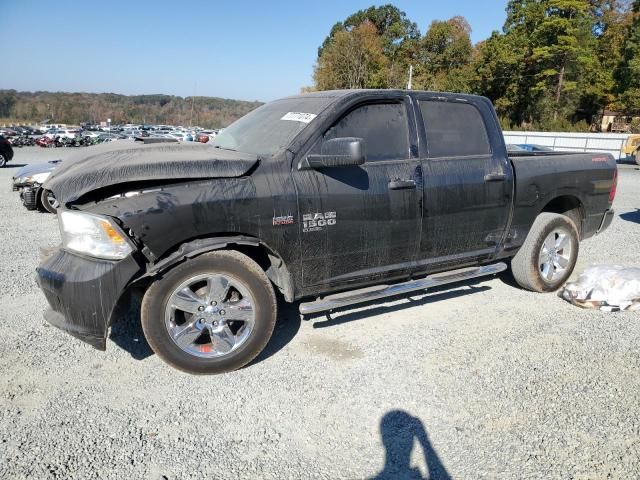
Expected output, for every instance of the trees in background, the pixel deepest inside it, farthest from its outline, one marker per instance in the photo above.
(556, 64)
(443, 55)
(353, 59)
(628, 73)
(74, 108)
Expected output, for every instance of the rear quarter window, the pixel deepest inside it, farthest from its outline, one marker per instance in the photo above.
(454, 129)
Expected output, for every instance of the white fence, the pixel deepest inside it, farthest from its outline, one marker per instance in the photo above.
(572, 142)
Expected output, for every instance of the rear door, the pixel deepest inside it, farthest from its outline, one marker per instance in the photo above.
(468, 180)
(363, 222)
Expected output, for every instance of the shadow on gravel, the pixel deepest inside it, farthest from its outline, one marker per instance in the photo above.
(399, 432)
(433, 295)
(286, 329)
(626, 161)
(127, 333)
(631, 216)
(507, 278)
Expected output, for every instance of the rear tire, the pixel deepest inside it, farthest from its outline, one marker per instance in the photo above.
(549, 253)
(3, 160)
(637, 156)
(192, 332)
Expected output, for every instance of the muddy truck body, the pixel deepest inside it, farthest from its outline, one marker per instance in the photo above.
(331, 199)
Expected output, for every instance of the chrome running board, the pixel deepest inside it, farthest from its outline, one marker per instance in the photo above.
(344, 299)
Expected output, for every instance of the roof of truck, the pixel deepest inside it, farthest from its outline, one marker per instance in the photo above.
(335, 94)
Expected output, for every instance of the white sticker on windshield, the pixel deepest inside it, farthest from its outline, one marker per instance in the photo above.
(299, 117)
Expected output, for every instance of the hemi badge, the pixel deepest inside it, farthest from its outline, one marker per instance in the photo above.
(285, 220)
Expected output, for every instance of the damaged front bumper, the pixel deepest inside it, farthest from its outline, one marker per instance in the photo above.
(82, 292)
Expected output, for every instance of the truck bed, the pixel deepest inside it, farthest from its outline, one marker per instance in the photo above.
(584, 179)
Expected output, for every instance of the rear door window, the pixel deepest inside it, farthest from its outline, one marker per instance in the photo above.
(383, 127)
(454, 129)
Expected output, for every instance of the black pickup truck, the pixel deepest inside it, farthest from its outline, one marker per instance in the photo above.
(335, 197)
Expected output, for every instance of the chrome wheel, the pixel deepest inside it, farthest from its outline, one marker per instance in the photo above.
(210, 315)
(555, 255)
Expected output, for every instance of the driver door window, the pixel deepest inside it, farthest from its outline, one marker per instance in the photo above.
(383, 127)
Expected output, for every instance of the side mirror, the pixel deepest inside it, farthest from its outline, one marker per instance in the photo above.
(337, 152)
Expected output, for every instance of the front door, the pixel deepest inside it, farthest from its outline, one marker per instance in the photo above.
(362, 222)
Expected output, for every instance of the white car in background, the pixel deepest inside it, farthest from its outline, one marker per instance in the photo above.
(62, 133)
(92, 134)
(45, 127)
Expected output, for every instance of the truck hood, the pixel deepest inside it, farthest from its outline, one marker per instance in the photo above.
(124, 162)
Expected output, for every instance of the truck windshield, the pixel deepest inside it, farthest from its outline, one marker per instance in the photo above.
(271, 127)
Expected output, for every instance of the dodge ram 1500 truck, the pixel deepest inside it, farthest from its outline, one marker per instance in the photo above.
(335, 197)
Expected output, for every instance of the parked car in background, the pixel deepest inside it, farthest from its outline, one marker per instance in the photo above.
(6, 151)
(529, 147)
(62, 133)
(45, 127)
(631, 148)
(514, 148)
(8, 132)
(180, 136)
(28, 182)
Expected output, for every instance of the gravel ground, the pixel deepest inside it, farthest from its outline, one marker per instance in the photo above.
(481, 381)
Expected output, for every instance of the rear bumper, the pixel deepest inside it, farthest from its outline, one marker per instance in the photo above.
(607, 218)
(83, 292)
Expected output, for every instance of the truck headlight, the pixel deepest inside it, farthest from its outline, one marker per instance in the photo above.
(93, 235)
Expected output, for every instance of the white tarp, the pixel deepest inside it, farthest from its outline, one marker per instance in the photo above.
(607, 287)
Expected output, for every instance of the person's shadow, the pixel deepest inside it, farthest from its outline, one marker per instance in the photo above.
(399, 432)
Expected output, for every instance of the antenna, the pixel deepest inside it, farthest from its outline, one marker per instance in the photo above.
(410, 77)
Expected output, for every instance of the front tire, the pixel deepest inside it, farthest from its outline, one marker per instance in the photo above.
(637, 157)
(3, 160)
(549, 253)
(211, 314)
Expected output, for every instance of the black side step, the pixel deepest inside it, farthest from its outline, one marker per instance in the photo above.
(338, 300)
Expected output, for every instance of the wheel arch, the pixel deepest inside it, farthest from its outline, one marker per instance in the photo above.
(266, 257)
(569, 205)
(270, 261)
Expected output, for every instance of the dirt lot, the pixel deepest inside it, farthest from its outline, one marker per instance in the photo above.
(480, 381)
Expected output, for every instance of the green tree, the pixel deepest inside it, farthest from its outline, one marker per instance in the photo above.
(597, 83)
(354, 59)
(7, 102)
(398, 33)
(443, 55)
(498, 70)
(553, 63)
(628, 73)
(391, 24)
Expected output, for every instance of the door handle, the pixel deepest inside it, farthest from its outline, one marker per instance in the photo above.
(495, 177)
(398, 184)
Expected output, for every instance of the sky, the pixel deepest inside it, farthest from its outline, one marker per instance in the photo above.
(241, 49)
